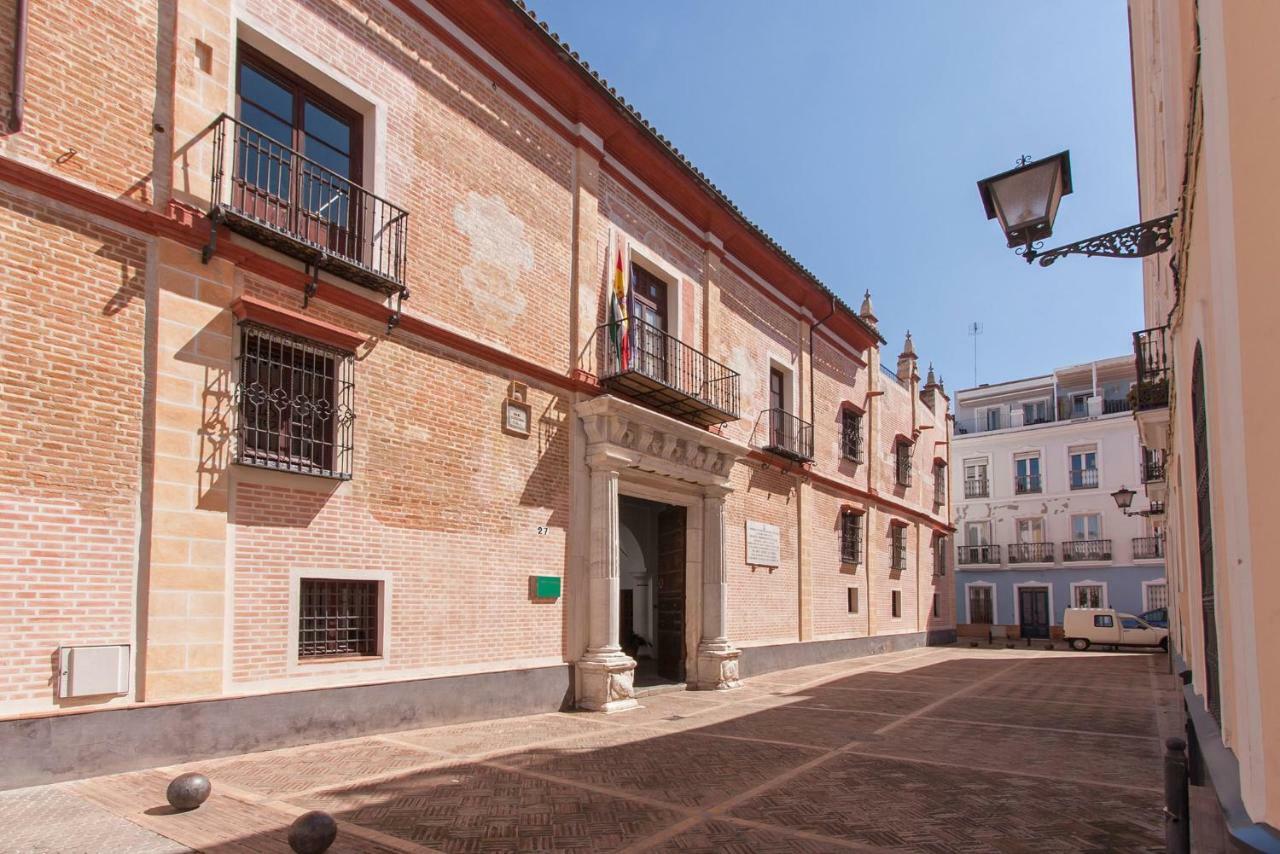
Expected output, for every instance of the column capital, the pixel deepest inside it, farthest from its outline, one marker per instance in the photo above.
(716, 492)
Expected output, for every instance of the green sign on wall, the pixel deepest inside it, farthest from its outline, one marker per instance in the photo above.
(546, 586)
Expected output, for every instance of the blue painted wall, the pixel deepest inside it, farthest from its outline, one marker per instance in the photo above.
(1124, 587)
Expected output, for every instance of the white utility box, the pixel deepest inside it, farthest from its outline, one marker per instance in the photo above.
(91, 671)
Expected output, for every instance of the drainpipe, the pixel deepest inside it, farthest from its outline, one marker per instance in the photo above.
(812, 329)
(19, 67)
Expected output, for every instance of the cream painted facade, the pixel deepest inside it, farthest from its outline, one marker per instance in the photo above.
(1206, 89)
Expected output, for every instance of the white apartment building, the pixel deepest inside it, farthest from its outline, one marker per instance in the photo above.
(1033, 467)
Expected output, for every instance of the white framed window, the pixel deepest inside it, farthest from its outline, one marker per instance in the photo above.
(1083, 462)
(1080, 404)
(977, 533)
(1036, 412)
(1155, 594)
(1086, 526)
(1089, 594)
(980, 603)
(1026, 473)
(1031, 530)
(975, 478)
(991, 418)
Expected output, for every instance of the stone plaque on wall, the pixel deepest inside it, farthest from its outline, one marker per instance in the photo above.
(764, 544)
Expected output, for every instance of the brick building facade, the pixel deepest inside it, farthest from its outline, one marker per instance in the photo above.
(303, 405)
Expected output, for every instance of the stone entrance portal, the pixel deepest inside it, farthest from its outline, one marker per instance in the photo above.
(634, 453)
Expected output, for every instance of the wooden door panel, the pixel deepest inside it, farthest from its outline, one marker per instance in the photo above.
(671, 593)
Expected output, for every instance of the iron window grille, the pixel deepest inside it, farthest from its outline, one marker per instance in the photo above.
(851, 435)
(338, 618)
(1084, 478)
(295, 404)
(975, 488)
(903, 451)
(898, 547)
(851, 538)
(939, 484)
(940, 555)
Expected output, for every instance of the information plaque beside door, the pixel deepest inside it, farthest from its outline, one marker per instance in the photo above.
(763, 544)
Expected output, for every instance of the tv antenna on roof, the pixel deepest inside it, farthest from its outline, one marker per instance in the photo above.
(975, 329)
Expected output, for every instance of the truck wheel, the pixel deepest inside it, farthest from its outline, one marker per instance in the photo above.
(1079, 644)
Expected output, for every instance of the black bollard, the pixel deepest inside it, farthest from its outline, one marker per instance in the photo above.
(1177, 821)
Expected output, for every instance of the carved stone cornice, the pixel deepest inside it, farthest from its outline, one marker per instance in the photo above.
(621, 435)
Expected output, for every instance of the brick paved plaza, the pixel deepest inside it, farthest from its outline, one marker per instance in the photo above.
(942, 750)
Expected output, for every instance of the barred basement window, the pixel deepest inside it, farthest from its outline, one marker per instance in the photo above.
(850, 537)
(903, 451)
(897, 603)
(337, 618)
(295, 404)
(898, 547)
(851, 435)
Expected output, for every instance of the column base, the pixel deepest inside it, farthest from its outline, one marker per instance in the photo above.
(717, 667)
(605, 682)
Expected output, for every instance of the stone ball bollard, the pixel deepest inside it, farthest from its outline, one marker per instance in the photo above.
(188, 791)
(312, 832)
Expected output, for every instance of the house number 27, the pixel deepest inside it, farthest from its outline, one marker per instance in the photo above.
(543, 530)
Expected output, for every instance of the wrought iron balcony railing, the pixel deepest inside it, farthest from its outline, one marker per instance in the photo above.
(1147, 548)
(1025, 484)
(975, 488)
(649, 366)
(1152, 466)
(1076, 550)
(1110, 407)
(282, 199)
(1084, 478)
(787, 435)
(1150, 350)
(968, 555)
(1031, 553)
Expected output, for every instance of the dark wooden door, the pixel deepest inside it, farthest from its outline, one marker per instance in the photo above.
(649, 303)
(670, 598)
(626, 621)
(779, 426)
(1033, 607)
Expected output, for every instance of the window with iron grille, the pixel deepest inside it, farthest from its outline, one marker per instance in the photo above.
(295, 404)
(338, 618)
(903, 451)
(851, 435)
(898, 546)
(850, 537)
(939, 484)
(939, 555)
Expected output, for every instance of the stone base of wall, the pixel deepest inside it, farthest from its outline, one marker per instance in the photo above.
(756, 660)
(71, 746)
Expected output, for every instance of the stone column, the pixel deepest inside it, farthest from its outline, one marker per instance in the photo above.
(605, 673)
(717, 658)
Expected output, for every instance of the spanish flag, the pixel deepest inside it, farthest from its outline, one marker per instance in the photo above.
(619, 338)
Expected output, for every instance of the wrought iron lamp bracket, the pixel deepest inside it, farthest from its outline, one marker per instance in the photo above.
(393, 320)
(1135, 241)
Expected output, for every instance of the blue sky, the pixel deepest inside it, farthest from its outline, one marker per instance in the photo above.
(854, 132)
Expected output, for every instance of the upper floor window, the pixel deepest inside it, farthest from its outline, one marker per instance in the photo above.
(1084, 466)
(1035, 413)
(295, 404)
(975, 478)
(939, 554)
(1086, 526)
(939, 483)
(897, 547)
(282, 114)
(850, 537)
(851, 435)
(1026, 473)
(1080, 404)
(902, 452)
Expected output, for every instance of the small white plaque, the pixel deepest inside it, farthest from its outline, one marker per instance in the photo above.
(764, 544)
(515, 417)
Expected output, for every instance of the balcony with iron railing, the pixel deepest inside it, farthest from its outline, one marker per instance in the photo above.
(977, 488)
(1148, 548)
(1031, 553)
(1150, 350)
(1027, 484)
(1111, 407)
(645, 364)
(1084, 478)
(1152, 467)
(978, 555)
(282, 199)
(1086, 550)
(786, 435)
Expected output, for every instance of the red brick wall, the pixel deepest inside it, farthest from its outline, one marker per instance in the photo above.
(764, 602)
(831, 577)
(71, 330)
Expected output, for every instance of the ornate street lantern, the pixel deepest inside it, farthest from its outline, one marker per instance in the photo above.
(1025, 199)
(1123, 497)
